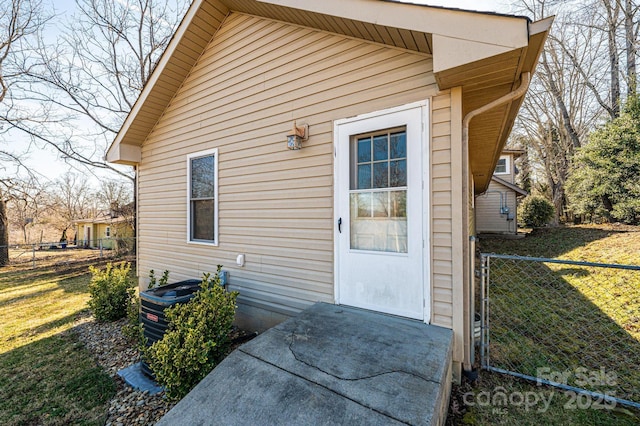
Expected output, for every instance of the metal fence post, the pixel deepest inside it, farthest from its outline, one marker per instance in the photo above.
(34, 255)
(472, 297)
(484, 311)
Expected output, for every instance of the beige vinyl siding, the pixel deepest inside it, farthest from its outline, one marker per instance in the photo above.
(275, 205)
(441, 212)
(488, 217)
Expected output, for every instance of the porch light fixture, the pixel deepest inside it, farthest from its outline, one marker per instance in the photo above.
(297, 135)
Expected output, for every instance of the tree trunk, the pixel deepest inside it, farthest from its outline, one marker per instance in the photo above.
(558, 198)
(614, 63)
(4, 234)
(557, 94)
(608, 205)
(631, 48)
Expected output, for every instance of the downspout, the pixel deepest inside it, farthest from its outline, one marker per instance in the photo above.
(525, 79)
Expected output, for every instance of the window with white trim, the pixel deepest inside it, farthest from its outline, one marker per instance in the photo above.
(502, 168)
(202, 196)
(107, 232)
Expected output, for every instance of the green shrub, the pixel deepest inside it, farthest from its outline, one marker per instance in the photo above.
(535, 211)
(153, 283)
(197, 338)
(110, 291)
(133, 329)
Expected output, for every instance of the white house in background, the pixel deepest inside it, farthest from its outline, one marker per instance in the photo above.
(401, 112)
(496, 208)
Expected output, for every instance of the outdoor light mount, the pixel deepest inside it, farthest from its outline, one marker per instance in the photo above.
(297, 135)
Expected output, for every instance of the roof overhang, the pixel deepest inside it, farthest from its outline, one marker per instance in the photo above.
(102, 220)
(511, 186)
(514, 152)
(484, 53)
(485, 81)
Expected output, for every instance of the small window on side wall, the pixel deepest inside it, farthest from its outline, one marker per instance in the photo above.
(502, 168)
(107, 232)
(202, 196)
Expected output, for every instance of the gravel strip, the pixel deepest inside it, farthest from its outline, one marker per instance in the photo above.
(114, 352)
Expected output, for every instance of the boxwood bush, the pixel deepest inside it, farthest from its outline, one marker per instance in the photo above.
(197, 338)
(110, 291)
(535, 211)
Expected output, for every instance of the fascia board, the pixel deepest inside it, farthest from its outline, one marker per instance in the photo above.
(451, 52)
(120, 153)
(508, 31)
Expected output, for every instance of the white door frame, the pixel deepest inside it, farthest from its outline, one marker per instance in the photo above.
(426, 199)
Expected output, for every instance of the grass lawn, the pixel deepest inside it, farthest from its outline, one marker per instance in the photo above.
(562, 317)
(46, 375)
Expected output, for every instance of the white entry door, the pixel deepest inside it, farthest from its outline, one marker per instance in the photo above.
(381, 211)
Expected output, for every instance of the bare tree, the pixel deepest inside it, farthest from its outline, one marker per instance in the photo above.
(610, 27)
(4, 230)
(117, 197)
(560, 108)
(578, 83)
(72, 95)
(630, 37)
(73, 199)
(27, 205)
(114, 195)
(87, 82)
(20, 20)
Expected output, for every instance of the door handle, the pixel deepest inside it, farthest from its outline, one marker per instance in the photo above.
(340, 225)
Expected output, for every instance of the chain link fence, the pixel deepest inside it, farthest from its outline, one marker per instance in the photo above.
(574, 325)
(38, 254)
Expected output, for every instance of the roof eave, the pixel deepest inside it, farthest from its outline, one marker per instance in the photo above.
(515, 188)
(538, 32)
(123, 138)
(472, 35)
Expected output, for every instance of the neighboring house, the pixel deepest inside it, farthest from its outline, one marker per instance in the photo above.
(375, 210)
(103, 231)
(496, 208)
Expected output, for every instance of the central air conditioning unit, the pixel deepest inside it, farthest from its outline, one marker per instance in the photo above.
(153, 303)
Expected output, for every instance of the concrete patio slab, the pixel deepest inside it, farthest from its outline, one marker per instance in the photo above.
(328, 365)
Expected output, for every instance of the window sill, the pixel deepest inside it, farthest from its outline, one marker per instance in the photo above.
(203, 243)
